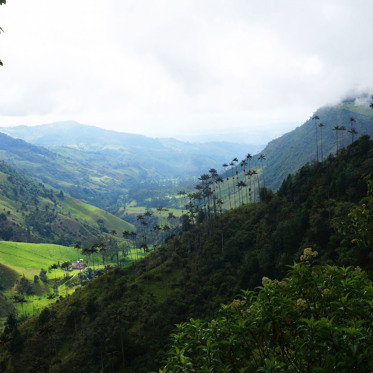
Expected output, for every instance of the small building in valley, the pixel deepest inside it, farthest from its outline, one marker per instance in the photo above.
(77, 265)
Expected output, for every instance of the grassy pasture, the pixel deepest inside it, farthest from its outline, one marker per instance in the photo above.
(133, 209)
(91, 214)
(28, 259)
(19, 258)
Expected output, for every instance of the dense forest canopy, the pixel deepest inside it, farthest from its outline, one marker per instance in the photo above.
(318, 318)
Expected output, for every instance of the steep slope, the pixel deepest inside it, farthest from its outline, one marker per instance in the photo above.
(31, 212)
(120, 321)
(288, 153)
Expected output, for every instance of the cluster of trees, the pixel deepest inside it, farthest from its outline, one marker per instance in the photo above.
(239, 184)
(339, 137)
(149, 235)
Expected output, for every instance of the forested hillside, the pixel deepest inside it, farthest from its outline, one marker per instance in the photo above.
(30, 212)
(121, 321)
(332, 128)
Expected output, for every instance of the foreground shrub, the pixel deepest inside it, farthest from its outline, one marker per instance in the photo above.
(318, 319)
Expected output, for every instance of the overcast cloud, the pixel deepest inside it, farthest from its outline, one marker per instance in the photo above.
(182, 67)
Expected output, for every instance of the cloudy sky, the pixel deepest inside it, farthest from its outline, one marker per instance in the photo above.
(256, 68)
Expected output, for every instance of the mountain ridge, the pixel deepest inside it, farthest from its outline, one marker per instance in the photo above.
(288, 153)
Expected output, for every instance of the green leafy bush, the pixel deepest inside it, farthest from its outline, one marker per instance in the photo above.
(318, 319)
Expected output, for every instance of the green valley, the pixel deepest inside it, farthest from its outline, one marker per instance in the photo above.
(186, 187)
(121, 320)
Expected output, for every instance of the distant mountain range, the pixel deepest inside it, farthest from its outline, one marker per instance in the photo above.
(165, 157)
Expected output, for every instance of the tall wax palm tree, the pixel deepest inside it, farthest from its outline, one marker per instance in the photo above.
(321, 125)
(144, 233)
(261, 159)
(220, 203)
(93, 250)
(225, 165)
(214, 177)
(102, 250)
(243, 165)
(86, 252)
(207, 192)
(353, 133)
(342, 129)
(235, 160)
(249, 174)
(249, 157)
(204, 183)
(336, 129)
(233, 188)
(253, 173)
(241, 184)
(352, 129)
(315, 119)
(219, 180)
(156, 229)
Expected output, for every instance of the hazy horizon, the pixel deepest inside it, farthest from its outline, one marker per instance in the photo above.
(182, 69)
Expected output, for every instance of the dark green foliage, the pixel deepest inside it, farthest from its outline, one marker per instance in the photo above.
(318, 319)
(24, 286)
(123, 318)
(43, 275)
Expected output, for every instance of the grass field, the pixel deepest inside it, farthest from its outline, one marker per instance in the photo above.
(19, 258)
(91, 214)
(133, 209)
(27, 259)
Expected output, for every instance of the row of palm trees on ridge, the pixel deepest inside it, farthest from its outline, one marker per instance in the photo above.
(339, 139)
